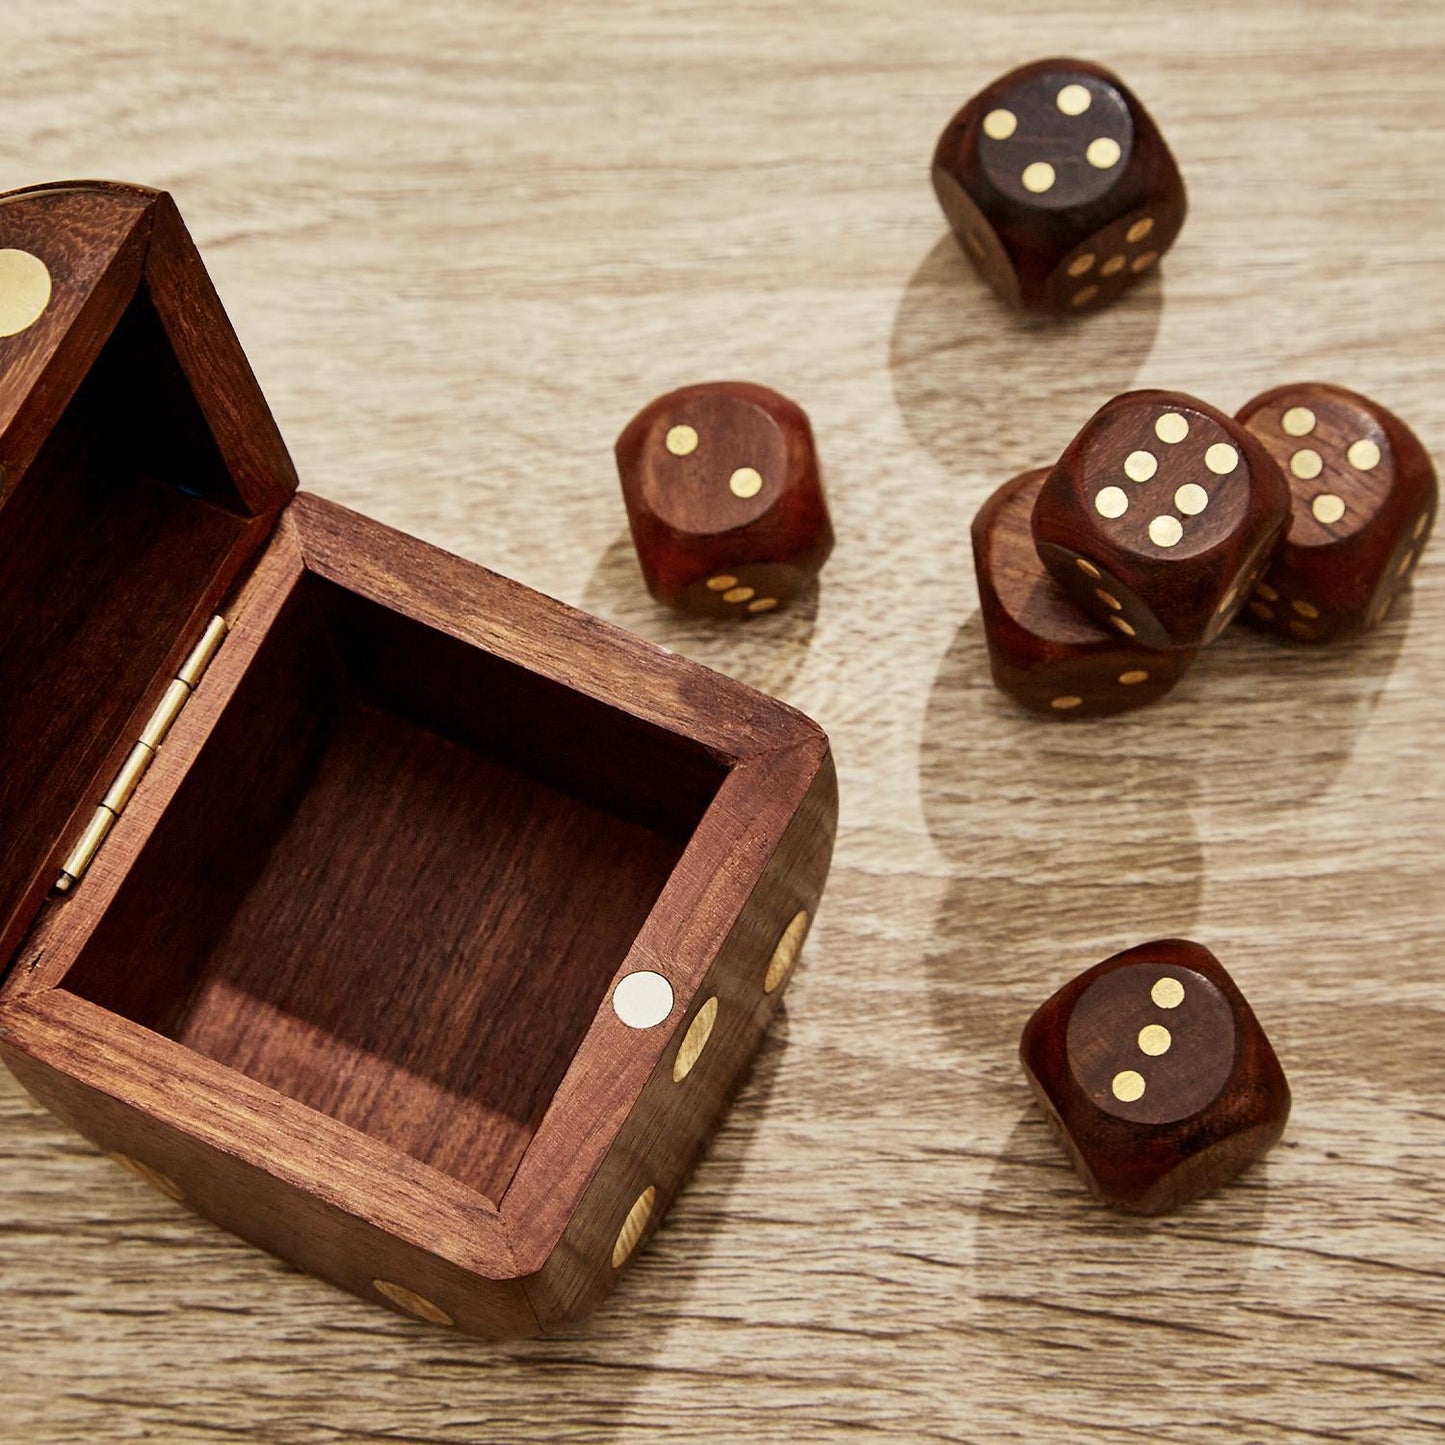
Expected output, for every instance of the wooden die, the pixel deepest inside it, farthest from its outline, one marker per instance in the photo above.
(725, 498)
(1043, 651)
(1156, 1075)
(1363, 495)
(403, 921)
(1059, 186)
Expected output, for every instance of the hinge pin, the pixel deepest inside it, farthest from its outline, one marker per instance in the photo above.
(162, 720)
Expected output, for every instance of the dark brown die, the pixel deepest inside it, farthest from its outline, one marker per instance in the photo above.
(725, 499)
(1156, 1075)
(1364, 496)
(1159, 517)
(1043, 652)
(1059, 186)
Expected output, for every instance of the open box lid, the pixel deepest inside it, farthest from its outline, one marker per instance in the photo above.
(140, 471)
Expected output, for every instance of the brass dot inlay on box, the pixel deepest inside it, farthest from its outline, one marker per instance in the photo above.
(414, 1304)
(694, 1041)
(632, 1227)
(25, 291)
(786, 953)
(153, 1177)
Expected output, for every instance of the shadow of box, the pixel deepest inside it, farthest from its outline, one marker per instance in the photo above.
(431, 930)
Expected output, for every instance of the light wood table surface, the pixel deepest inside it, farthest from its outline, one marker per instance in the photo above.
(462, 243)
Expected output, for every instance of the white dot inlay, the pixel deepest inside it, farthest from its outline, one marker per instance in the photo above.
(643, 999)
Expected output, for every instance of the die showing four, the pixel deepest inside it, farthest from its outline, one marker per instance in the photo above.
(1156, 1075)
(1159, 516)
(1044, 652)
(1059, 186)
(724, 498)
(1363, 500)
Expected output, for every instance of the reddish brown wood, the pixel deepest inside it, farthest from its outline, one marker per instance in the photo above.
(342, 976)
(423, 949)
(121, 523)
(216, 374)
(1159, 517)
(1059, 186)
(1363, 498)
(1044, 652)
(709, 546)
(1156, 1075)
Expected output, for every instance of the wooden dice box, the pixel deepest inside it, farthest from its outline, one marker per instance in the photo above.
(423, 936)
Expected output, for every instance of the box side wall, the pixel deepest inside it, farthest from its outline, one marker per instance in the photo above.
(280, 1218)
(666, 1133)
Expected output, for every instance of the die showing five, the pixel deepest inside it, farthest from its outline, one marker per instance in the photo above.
(1059, 186)
(1156, 1075)
(724, 498)
(1158, 517)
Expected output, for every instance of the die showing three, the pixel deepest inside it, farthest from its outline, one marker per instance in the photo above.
(1156, 1076)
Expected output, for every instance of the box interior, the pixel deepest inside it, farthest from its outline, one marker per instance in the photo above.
(108, 543)
(397, 880)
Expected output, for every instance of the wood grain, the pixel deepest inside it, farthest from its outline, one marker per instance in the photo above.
(462, 244)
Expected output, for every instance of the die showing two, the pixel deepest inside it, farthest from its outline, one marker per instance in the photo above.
(1165, 519)
(725, 498)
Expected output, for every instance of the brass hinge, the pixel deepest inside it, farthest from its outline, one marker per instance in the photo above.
(163, 719)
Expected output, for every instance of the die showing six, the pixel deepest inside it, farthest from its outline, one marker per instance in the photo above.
(1059, 186)
(1043, 652)
(1363, 499)
(1156, 1076)
(1159, 516)
(724, 498)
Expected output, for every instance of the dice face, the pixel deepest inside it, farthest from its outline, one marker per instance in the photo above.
(1056, 139)
(1156, 1075)
(724, 498)
(1105, 265)
(1043, 652)
(1363, 500)
(1159, 517)
(1059, 186)
(1151, 1043)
